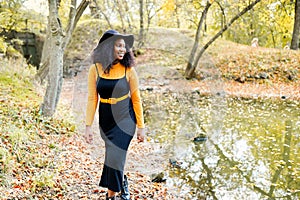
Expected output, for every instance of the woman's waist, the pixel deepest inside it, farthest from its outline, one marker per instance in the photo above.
(113, 99)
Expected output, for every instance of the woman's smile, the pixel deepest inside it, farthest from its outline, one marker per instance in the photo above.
(119, 49)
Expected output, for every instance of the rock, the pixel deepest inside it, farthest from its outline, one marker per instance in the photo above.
(290, 77)
(263, 75)
(158, 178)
(175, 163)
(196, 90)
(201, 138)
(292, 74)
(241, 79)
(163, 83)
(148, 88)
(283, 97)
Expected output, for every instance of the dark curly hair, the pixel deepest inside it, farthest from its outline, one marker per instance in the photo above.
(104, 54)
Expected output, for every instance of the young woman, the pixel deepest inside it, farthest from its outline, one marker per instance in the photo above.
(113, 82)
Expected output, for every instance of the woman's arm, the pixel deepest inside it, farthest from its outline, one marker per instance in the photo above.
(91, 104)
(92, 96)
(137, 104)
(135, 97)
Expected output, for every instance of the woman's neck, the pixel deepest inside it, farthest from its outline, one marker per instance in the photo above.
(115, 62)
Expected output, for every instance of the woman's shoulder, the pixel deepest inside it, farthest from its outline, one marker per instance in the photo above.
(95, 67)
(131, 69)
(131, 73)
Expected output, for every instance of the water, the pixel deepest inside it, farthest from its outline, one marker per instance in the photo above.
(252, 150)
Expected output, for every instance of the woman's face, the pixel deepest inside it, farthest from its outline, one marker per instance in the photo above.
(119, 49)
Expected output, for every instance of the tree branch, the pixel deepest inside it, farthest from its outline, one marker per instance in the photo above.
(74, 17)
(189, 72)
(79, 11)
(72, 14)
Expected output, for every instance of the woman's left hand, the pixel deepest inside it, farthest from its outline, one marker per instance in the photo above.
(141, 134)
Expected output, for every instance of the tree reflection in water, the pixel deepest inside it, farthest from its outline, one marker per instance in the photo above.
(254, 154)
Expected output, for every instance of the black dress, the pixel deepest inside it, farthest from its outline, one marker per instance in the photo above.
(117, 124)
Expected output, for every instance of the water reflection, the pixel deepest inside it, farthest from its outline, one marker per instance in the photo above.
(252, 151)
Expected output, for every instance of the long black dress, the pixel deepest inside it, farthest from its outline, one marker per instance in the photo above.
(117, 126)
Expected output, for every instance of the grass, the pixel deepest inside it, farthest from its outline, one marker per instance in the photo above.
(27, 156)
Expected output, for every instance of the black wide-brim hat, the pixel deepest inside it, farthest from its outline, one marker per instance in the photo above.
(129, 39)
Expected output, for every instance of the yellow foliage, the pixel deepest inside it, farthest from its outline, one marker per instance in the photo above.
(169, 6)
(63, 11)
(3, 45)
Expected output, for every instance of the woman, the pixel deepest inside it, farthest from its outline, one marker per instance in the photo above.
(113, 80)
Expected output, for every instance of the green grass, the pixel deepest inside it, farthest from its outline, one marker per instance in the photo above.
(28, 149)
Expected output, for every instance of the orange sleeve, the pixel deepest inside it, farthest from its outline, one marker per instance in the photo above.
(135, 97)
(92, 96)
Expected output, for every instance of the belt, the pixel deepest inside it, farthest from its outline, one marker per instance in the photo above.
(113, 100)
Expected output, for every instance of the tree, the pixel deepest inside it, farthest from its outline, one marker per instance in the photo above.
(190, 69)
(141, 33)
(10, 16)
(53, 51)
(100, 9)
(152, 8)
(278, 14)
(197, 37)
(296, 31)
(147, 9)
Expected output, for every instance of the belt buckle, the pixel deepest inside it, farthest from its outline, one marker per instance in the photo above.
(112, 100)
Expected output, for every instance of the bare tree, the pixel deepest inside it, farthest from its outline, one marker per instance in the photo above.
(141, 33)
(53, 51)
(94, 8)
(128, 14)
(296, 31)
(148, 8)
(197, 37)
(120, 12)
(190, 69)
(151, 9)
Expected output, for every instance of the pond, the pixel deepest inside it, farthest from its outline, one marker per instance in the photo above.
(251, 151)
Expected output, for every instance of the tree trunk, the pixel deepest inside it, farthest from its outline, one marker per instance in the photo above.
(296, 31)
(94, 8)
(117, 5)
(44, 65)
(54, 51)
(141, 34)
(177, 16)
(196, 42)
(190, 72)
(128, 15)
(106, 18)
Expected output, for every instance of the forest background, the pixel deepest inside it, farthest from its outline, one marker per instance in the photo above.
(164, 29)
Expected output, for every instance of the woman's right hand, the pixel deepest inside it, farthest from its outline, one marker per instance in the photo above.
(88, 136)
(141, 134)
